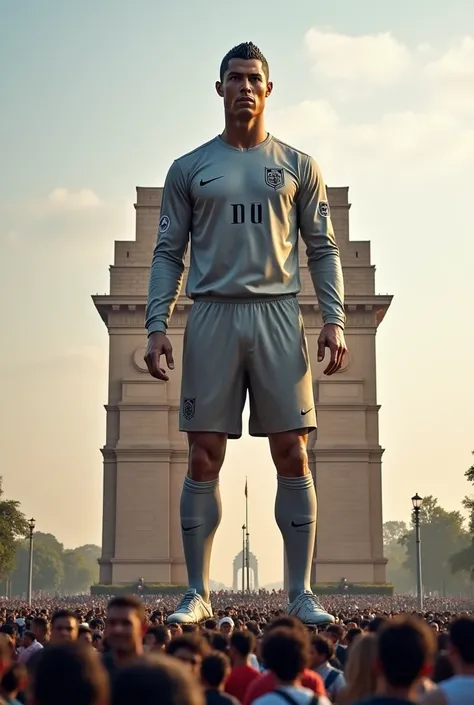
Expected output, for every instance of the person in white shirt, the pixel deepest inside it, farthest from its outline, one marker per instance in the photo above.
(322, 652)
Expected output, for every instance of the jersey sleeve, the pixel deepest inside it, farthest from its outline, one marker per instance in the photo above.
(316, 230)
(167, 266)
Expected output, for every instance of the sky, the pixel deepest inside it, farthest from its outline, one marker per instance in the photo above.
(99, 97)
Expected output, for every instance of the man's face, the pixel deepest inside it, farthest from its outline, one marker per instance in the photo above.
(123, 630)
(244, 89)
(175, 630)
(64, 629)
(191, 660)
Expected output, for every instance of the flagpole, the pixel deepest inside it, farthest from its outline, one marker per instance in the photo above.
(247, 549)
(243, 558)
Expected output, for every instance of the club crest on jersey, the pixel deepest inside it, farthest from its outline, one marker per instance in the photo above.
(323, 209)
(189, 408)
(165, 223)
(275, 178)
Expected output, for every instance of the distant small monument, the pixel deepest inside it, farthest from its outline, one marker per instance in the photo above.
(239, 567)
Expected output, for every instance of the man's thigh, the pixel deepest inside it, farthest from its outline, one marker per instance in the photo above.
(213, 386)
(281, 384)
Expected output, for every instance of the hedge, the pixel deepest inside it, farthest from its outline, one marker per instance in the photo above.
(319, 589)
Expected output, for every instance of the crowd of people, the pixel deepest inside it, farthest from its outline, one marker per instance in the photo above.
(123, 651)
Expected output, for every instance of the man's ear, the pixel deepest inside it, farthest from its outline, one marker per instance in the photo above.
(219, 89)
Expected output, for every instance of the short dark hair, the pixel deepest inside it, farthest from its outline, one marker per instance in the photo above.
(194, 643)
(246, 51)
(286, 652)
(405, 646)
(323, 646)
(243, 642)
(161, 634)
(461, 636)
(214, 669)
(128, 602)
(63, 614)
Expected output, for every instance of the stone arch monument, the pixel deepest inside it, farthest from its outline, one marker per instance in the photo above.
(145, 455)
(237, 567)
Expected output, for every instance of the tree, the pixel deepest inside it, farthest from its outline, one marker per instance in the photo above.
(463, 561)
(81, 569)
(48, 569)
(442, 535)
(13, 525)
(396, 554)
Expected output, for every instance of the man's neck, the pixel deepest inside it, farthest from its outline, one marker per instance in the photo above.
(390, 691)
(244, 135)
(282, 684)
(241, 661)
(124, 657)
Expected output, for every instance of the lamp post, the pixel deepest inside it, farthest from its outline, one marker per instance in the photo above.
(243, 558)
(417, 501)
(31, 528)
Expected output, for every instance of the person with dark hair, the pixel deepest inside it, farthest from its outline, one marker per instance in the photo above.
(405, 657)
(214, 671)
(459, 689)
(242, 646)
(286, 653)
(69, 673)
(64, 627)
(241, 201)
(190, 649)
(322, 652)
(30, 647)
(157, 638)
(267, 682)
(155, 679)
(124, 631)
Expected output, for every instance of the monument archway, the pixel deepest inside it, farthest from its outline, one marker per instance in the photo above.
(238, 567)
(145, 455)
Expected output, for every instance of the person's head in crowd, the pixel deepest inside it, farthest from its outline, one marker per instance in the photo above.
(210, 625)
(96, 625)
(252, 626)
(360, 671)
(64, 627)
(189, 628)
(242, 645)
(219, 642)
(286, 652)
(13, 680)
(215, 669)
(190, 649)
(155, 679)
(352, 635)
(175, 629)
(98, 641)
(69, 674)
(40, 628)
(226, 625)
(405, 656)
(84, 635)
(28, 638)
(10, 629)
(322, 650)
(157, 638)
(461, 645)
(335, 632)
(125, 626)
(376, 624)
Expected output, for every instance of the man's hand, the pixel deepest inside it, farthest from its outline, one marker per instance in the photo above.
(158, 345)
(332, 337)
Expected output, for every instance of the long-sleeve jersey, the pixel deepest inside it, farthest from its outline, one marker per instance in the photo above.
(241, 212)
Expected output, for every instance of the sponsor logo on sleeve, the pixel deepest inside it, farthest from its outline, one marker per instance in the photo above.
(323, 209)
(165, 223)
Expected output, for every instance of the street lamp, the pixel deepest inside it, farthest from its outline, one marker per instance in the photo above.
(417, 501)
(31, 528)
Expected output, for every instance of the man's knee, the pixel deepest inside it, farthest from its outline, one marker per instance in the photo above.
(289, 453)
(206, 455)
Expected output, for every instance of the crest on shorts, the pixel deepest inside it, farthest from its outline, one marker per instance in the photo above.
(323, 209)
(275, 178)
(189, 407)
(165, 222)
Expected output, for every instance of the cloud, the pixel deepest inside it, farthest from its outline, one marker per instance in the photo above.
(376, 59)
(65, 199)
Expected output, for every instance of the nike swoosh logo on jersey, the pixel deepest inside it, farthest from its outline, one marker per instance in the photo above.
(204, 183)
(305, 523)
(303, 412)
(190, 528)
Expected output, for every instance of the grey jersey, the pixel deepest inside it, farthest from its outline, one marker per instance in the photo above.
(241, 211)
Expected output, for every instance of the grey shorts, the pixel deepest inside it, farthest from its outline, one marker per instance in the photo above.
(257, 346)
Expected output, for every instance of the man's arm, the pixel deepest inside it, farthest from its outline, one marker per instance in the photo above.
(167, 266)
(322, 251)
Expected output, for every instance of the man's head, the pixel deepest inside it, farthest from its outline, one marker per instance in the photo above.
(322, 650)
(242, 644)
(406, 652)
(244, 82)
(64, 626)
(125, 624)
(286, 652)
(461, 643)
